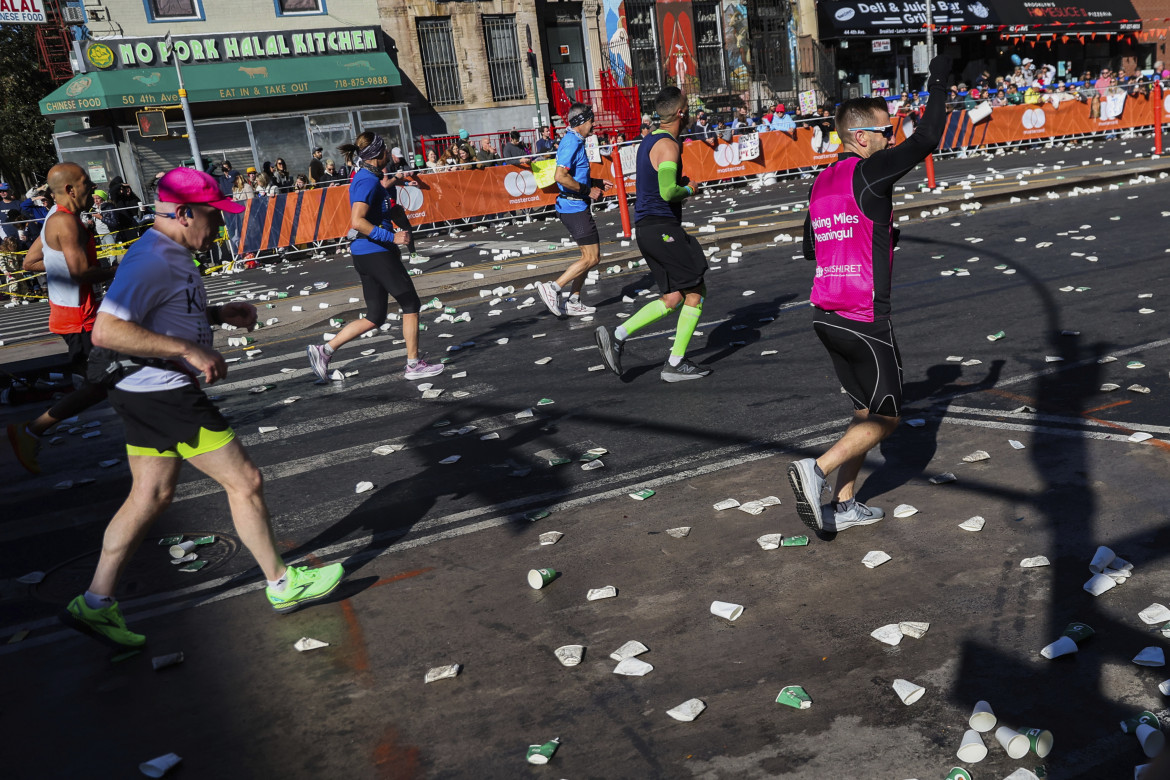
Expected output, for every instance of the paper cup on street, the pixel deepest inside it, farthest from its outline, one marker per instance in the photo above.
(913, 628)
(1039, 741)
(1099, 583)
(907, 691)
(157, 767)
(570, 655)
(1151, 656)
(1101, 560)
(889, 634)
(181, 549)
(608, 592)
(550, 537)
(538, 578)
(1151, 739)
(1154, 614)
(1078, 632)
(1164, 687)
(794, 696)
(688, 710)
(972, 750)
(959, 773)
(726, 610)
(1062, 646)
(633, 667)
(442, 673)
(770, 541)
(904, 510)
(163, 661)
(982, 718)
(629, 650)
(1013, 742)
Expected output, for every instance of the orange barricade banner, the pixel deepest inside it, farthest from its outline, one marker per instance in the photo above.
(322, 215)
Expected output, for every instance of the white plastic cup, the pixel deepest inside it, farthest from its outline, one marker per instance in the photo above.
(1164, 687)
(157, 767)
(972, 750)
(1013, 742)
(726, 610)
(181, 549)
(1152, 739)
(1101, 560)
(1099, 583)
(907, 691)
(1063, 646)
(982, 718)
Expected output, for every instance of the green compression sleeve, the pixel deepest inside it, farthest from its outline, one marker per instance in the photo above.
(668, 186)
(651, 312)
(688, 318)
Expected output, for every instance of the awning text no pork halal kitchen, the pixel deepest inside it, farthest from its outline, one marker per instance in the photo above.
(246, 47)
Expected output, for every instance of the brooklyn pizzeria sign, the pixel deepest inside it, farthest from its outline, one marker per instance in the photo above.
(123, 53)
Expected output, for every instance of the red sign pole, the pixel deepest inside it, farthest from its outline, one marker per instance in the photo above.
(1158, 116)
(620, 181)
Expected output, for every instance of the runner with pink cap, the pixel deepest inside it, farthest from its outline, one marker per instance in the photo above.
(153, 331)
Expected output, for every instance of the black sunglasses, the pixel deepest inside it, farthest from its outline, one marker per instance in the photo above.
(886, 130)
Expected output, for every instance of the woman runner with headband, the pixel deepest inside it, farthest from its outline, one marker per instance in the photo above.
(378, 261)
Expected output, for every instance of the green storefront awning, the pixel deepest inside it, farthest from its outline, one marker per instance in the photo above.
(147, 87)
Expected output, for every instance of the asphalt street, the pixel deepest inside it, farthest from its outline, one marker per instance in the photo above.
(438, 552)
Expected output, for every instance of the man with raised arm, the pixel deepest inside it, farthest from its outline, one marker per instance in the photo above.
(849, 232)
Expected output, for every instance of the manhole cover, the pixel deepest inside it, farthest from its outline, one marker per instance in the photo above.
(150, 571)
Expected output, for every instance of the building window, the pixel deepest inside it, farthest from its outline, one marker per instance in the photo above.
(440, 66)
(768, 23)
(503, 57)
(174, 10)
(300, 7)
(709, 45)
(643, 46)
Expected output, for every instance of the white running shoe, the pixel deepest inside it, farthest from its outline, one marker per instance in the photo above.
(551, 297)
(423, 370)
(319, 361)
(577, 309)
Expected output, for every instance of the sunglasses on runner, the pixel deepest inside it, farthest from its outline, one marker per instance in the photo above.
(886, 130)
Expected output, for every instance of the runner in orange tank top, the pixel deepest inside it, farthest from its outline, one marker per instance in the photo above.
(65, 251)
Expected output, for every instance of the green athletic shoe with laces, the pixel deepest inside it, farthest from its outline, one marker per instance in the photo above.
(305, 585)
(106, 625)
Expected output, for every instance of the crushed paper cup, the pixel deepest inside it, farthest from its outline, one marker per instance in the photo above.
(1152, 739)
(975, 523)
(942, 479)
(540, 754)
(1140, 436)
(1109, 387)
(386, 449)
(633, 667)
(570, 655)
(185, 559)
(608, 592)
(914, 628)
(688, 710)
(751, 507)
(163, 661)
(1102, 559)
(916, 422)
(1033, 562)
(971, 749)
(1039, 741)
(1099, 583)
(907, 691)
(982, 717)
(157, 767)
(680, 532)
(770, 541)
(1063, 646)
(447, 461)
(904, 510)
(769, 501)
(363, 487)
(442, 673)
(629, 650)
(794, 696)
(1015, 444)
(550, 537)
(976, 456)
(1023, 774)
(32, 578)
(1154, 614)
(1164, 687)
(726, 610)
(794, 541)
(890, 634)
(1013, 742)
(308, 643)
(1150, 656)
(875, 558)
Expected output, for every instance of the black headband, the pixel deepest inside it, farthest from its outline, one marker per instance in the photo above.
(582, 118)
(375, 150)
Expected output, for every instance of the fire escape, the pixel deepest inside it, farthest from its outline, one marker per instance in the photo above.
(54, 43)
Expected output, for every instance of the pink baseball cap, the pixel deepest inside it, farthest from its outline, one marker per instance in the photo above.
(187, 185)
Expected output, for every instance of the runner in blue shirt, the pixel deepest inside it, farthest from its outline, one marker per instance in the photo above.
(577, 190)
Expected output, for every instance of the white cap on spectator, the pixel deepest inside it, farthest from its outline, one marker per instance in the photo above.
(396, 151)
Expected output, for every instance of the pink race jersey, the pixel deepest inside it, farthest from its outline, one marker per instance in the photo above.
(845, 250)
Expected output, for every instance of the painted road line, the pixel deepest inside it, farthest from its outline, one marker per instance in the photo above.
(1052, 418)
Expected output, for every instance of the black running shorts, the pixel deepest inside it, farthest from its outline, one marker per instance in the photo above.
(867, 360)
(582, 229)
(675, 258)
(79, 346)
(180, 422)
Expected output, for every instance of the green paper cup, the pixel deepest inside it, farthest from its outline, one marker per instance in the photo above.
(538, 578)
(794, 696)
(540, 754)
(1039, 740)
(958, 773)
(1078, 632)
(794, 541)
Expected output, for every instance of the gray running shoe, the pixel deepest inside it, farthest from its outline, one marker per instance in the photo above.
(847, 514)
(610, 348)
(807, 487)
(551, 298)
(319, 361)
(682, 372)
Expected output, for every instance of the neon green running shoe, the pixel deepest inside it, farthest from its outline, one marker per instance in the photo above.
(305, 585)
(106, 625)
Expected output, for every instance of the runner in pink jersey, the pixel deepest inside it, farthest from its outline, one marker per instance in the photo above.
(849, 232)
